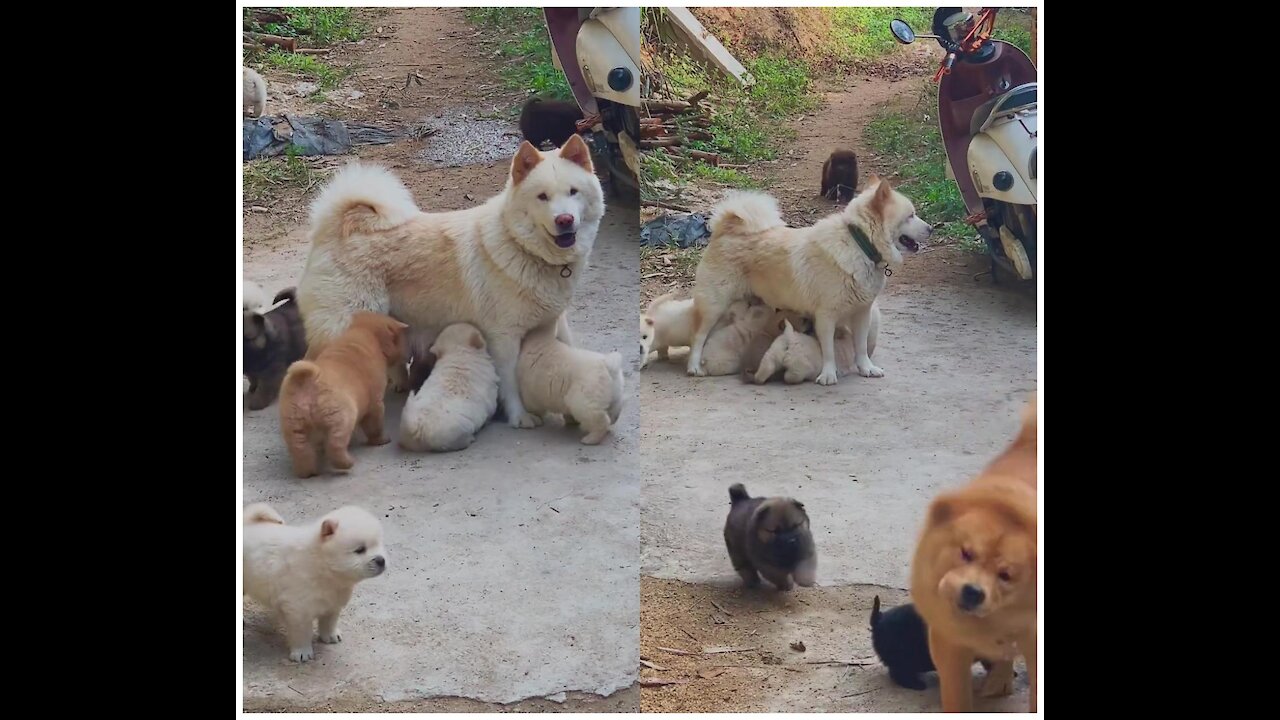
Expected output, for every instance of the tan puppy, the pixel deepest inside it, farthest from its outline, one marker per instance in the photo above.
(748, 326)
(831, 271)
(974, 576)
(322, 400)
(255, 92)
(769, 537)
(305, 573)
(446, 411)
(506, 266)
(584, 386)
(799, 356)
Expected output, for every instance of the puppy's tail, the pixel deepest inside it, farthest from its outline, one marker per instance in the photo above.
(261, 513)
(614, 362)
(301, 375)
(745, 212)
(738, 493)
(288, 294)
(360, 199)
(875, 612)
(660, 300)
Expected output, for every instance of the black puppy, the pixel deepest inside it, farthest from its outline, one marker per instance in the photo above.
(272, 341)
(901, 639)
(549, 120)
(840, 176)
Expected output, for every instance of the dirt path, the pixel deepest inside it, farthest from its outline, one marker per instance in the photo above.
(513, 563)
(865, 456)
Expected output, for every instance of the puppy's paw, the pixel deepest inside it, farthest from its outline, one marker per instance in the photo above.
(526, 420)
(302, 654)
(330, 639)
(828, 377)
(869, 370)
(696, 371)
(594, 438)
(996, 684)
(342, 463)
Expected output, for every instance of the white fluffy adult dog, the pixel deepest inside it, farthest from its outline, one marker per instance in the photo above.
(459, 397)
(582, 385)
(831, 271)
(306, 573)
(506, 266)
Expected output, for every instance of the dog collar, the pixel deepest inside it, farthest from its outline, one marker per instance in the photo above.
(864, 242)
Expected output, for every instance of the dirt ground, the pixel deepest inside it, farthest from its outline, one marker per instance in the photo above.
(512, 576)
(865, 456)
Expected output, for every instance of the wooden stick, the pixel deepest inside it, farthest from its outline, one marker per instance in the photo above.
(706, 157)
(677, 208)
(313, 51)
(659, 142)
(283, 43)
(697, 97)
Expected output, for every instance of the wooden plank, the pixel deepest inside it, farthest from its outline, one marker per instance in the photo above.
(704, 44)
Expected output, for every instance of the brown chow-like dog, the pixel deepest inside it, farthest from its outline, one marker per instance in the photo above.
(549, 120)
(973, 579)
(272, 340)
(322, 400)
(840, 175)
(769, 536)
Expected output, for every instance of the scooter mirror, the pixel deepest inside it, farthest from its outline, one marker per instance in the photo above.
(902, 31)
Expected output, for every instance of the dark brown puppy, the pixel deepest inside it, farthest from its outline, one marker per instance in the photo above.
(840, 176)
(272, 341)
(769, 536)
(549, 120)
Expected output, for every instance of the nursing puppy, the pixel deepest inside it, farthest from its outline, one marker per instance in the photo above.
(901, 639)
(506, 266)
(974, 575)
(305, 573)
(446, 410)
(584, 386)
(747, 327)
(254, 97)
(799, 357)
(272, 341)
(769, 537)
(831, 271)
(323, 399)
(553, 121)
(840, 175)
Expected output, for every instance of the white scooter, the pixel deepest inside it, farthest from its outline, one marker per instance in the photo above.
(988, 113)
(602, 46)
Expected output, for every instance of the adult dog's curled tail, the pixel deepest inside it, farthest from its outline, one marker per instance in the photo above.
(360, 199)
(262, 513)
(737, 493)
(745, 212)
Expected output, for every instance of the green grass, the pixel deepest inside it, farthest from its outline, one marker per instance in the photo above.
(326, 76)
(526, 51)
(1019, 36)
(317, 26)
(729, 177)
(263, 178)
(909, 139)
(862, 33)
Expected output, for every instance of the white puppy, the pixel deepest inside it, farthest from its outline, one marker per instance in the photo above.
(447, 410)
(585, 386)
(306, 573)
(255, 91)
(665, 324)
(799, 355)
(722, 354)
(253, 298)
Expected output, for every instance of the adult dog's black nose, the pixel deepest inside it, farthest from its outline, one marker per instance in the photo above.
(380, 561)
(971, 596)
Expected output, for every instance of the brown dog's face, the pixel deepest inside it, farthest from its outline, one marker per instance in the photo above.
(779, 516)
(983, 556)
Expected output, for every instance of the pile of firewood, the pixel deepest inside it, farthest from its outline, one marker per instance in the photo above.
(261, 42)
(668, 125)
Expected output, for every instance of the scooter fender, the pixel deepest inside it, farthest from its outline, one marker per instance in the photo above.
(1010, 147)
(609, 43)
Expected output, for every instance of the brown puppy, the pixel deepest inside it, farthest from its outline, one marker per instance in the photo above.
(840, 176)
(769, 536)
(322, 400)
(549, 120)
(272, 340)
(973, 579)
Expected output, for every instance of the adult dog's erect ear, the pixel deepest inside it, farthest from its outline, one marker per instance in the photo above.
(575, 150)
(526, 159)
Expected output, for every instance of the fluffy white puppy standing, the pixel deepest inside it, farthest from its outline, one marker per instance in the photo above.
(255, 91)
(305, 573)
(582, 385)
(666, 323)
(799, 355)
(447, 410)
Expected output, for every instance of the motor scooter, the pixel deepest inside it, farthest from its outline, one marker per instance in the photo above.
(987, 110)
(598, 50)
